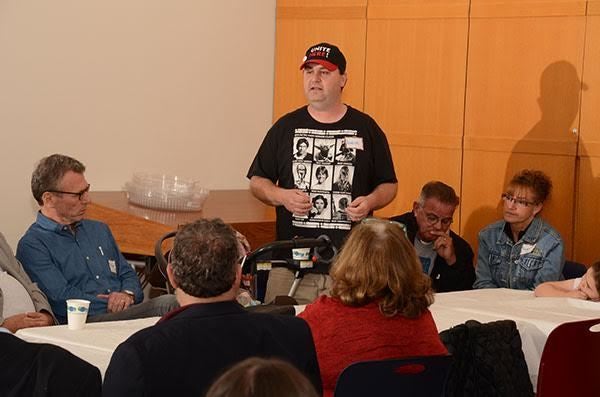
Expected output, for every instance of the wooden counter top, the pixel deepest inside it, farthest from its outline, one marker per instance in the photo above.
(136, 229)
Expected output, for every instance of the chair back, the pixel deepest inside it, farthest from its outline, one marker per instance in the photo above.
(571, 361)
(418, 376)
(156, 270)
(573, 270)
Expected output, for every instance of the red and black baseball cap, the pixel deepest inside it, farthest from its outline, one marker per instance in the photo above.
(327, 55)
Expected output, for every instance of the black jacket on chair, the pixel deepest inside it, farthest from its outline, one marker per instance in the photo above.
(185, 353)
(44, 370)
(488, 360)
(444, 278)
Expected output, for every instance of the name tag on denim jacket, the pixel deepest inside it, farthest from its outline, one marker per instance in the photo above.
(527, 248)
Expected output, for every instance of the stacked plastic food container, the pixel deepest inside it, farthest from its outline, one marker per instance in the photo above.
(166, 192)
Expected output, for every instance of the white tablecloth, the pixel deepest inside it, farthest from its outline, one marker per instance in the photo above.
(95, 343)
(535, 317)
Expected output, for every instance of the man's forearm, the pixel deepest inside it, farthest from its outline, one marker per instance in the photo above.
(265, 190)
(382, 195)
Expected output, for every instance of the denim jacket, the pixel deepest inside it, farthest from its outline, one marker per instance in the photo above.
(537, 257)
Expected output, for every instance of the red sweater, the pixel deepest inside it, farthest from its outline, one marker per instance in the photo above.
(345, 334)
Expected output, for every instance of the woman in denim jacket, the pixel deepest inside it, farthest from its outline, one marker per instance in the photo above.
(520, 251)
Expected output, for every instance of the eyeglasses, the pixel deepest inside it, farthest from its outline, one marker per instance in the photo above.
(372, 220)
(519, 202)
(432, 219)
(78, 194)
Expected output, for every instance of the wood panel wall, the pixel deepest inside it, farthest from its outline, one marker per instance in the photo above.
(414, 88)
(469, 92)
(522, 102)
(302, 23)
(587, 231)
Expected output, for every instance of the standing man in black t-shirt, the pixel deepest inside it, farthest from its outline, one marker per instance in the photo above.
(342, 143)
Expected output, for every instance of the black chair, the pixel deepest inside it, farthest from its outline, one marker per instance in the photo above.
(156, 270)
(417, 376)
(573, 270)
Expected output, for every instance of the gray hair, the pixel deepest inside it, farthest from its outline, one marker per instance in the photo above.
(204, 258)
(438, 190)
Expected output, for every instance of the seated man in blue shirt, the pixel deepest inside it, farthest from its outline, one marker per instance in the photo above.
(521, 251)
(71, 257)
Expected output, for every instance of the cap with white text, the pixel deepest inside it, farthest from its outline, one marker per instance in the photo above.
(327, 55)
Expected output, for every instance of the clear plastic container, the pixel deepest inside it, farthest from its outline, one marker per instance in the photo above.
(166, 192)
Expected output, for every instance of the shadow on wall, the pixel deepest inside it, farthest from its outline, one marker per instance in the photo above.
(550, 146)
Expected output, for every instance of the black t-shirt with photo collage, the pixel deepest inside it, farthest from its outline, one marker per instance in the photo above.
(334, 163)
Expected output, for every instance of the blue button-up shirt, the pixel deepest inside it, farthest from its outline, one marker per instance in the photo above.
(537, 257)
(76, 264)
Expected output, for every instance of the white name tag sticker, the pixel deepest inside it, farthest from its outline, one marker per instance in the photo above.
(112, 265)
(306, 264)
(527, 248)
(263, 266)
(354, 142)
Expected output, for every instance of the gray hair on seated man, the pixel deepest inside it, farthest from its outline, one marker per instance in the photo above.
(204, 261)
(440, 191)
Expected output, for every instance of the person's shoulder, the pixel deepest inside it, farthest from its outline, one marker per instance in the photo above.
(147, 338)
(492, 228)
(94, 224)
(96, 227)
(34, 235)
(286, 124)
(293, 116)
(284, 320)
(33, 230)
(321, 306)
(550, 231)
(279, 324)
(353, 112)
(405, 218)
(358, 116)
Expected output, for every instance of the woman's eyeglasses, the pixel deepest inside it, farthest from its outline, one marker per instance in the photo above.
(517, 201)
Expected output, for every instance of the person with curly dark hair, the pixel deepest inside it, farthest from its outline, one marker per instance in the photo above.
(378, 306)
(522, 250)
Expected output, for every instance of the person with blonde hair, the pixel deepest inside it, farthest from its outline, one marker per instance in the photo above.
(262, 377)
(379, 301)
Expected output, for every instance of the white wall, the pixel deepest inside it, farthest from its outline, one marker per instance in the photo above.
(169, 86)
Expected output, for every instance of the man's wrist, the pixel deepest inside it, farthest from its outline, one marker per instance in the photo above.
(130, 293)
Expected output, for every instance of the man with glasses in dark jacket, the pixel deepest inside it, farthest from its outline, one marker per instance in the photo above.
(444, 255)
